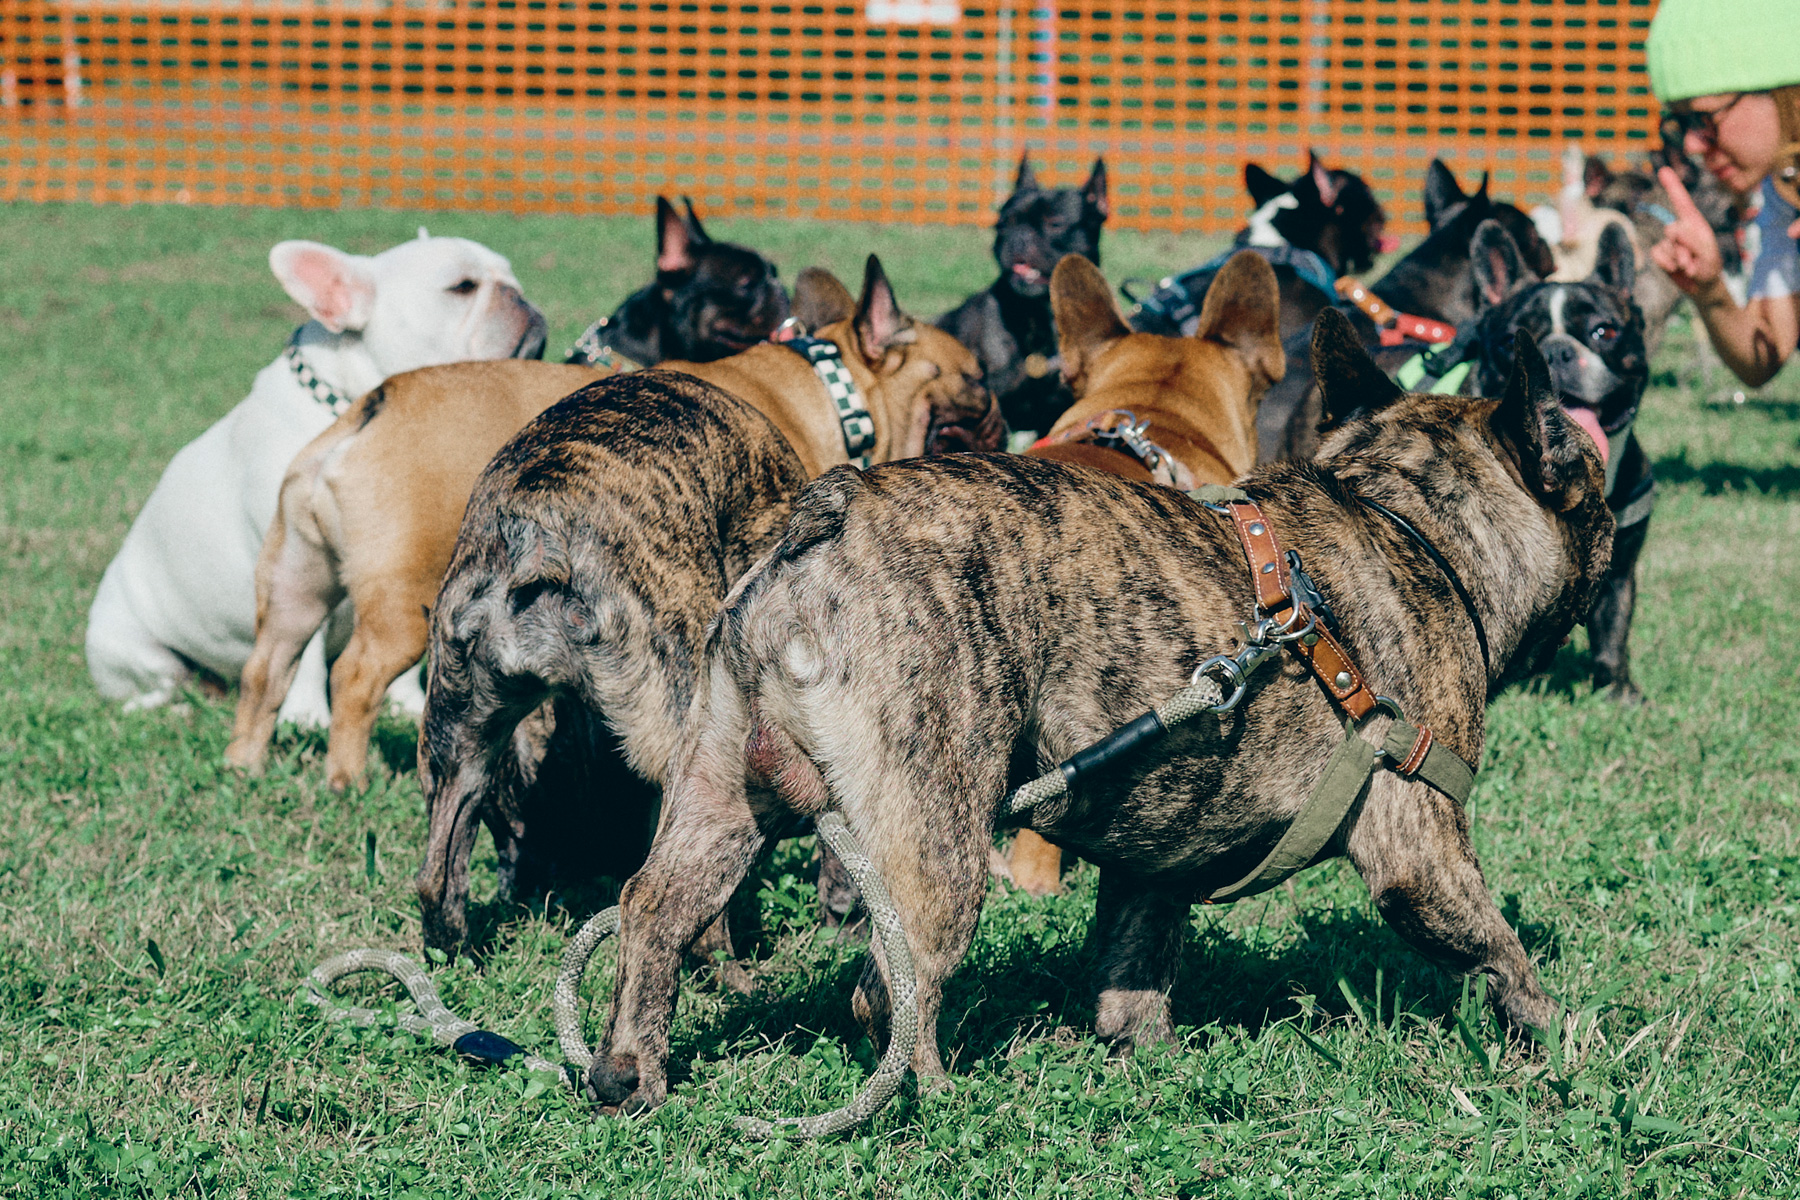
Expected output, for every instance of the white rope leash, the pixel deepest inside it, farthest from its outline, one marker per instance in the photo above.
(435, 1020)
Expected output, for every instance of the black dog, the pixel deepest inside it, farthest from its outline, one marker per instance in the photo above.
(1008, 326)
(1592, 335)
(709, 300)
(1433, 280)
(1321, 225)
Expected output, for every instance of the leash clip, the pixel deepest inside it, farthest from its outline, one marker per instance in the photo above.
(1261, 643)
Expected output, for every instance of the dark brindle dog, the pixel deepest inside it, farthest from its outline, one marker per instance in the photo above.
(1008, 325)
(597, 545)
(709, 300)
(895, 661)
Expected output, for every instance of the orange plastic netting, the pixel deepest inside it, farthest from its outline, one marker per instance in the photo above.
(866, 111)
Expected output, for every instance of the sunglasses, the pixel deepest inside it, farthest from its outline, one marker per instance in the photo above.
(1704, 124)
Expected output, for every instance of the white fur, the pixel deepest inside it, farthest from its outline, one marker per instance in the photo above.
(182, 588)
(1262, 227)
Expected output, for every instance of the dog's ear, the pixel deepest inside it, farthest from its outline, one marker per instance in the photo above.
(674, 240)
(1498, 266)
(1615, 262)
(1243, 312)
(1480, 195)
(1026, 179)
(1322, 179)
(696, 231)
(1263, 186)
(1350, 384)
(1093, 192)
(335, 289)
(880, 324)
(1595, 175)
(1087, 320)
(1546, 445)
(821, 300)
(1442, 192)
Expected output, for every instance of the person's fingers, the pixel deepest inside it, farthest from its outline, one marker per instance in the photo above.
(1685, 209)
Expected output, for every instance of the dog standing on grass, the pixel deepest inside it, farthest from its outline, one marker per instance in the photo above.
(181, 593)
(894, 661)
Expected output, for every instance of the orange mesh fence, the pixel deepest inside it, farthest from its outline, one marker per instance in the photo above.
(886, 110)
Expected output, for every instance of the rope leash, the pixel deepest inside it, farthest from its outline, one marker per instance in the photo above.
(435, 1020)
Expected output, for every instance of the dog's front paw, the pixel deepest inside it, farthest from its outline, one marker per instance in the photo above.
(1625, 694)
(612, 1079)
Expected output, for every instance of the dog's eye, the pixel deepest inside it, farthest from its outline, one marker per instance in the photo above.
(1604, 335)
(465, 287)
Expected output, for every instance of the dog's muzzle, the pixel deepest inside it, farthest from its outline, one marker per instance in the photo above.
(532, 338)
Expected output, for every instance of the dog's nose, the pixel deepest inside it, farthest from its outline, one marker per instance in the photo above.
(1561, 352)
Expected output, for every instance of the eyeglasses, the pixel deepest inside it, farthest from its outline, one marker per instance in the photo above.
(1703, 124)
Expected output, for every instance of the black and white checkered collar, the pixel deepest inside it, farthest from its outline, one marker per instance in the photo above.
(853, 413)
(321, 391)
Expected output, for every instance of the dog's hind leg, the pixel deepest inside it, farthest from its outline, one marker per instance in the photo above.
(1411, 845)
(296, 587)
(708, 838)
(1138, 929)
(391, 633)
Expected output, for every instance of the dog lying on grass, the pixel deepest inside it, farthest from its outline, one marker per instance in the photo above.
(1195, 396)
(894, 661)
(596, 547)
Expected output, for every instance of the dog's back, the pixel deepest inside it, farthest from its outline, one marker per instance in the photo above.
(596, 547)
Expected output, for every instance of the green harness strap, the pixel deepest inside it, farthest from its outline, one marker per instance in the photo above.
(1346, 775)
(1420, 367)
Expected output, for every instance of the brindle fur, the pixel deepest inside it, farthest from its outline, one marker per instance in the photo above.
(595, 549)
(1199, 395)
(893, 647)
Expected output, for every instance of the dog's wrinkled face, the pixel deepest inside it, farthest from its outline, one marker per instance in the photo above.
(1038, 226)
(1333, 213)
(1591, 333)
(428, 301)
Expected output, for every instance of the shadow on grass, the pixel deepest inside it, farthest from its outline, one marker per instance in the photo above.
(1720, 477)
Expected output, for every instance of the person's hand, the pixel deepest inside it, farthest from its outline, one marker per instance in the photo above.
(1689, 252)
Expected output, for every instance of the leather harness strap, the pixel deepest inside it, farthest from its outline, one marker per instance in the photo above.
(1270, 574)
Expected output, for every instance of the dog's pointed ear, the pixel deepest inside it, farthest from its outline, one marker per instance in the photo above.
(1322, 179)
(336, 289)
(674, 241)
(1243, 313)
(1026, 179)
(1442, 192)
(1595, 175)
(1550, 450)
(1263, 187)
(1498, 266)
(880, 323)
(1615, 262)
(1087, 320)
(1350, 384)
(821, 300)
(696, 231)
(1093, 192)
(1481, 192)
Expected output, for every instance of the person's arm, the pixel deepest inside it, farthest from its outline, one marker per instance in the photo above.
(1754, 340)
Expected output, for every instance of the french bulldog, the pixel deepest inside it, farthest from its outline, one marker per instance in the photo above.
(895, 663)
(1591, 333)
(181, 592)
(709, 300)
(1008, 325)
(1312, 229)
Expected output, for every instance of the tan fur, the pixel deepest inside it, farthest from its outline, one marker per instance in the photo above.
(1199, 395)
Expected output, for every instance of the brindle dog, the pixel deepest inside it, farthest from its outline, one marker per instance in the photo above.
(892, 646)
(596, 547)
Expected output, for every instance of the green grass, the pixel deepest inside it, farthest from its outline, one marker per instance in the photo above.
(157, 911)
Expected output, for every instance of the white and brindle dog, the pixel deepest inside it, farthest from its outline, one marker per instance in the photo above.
(181, 592)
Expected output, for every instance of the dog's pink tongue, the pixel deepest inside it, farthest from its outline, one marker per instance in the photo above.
(1585, 418)
(1388, 243)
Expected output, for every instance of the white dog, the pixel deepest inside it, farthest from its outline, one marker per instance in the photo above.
(182, 591)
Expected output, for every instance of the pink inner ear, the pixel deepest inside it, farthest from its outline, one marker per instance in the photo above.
(330, 288)
(1322, 180)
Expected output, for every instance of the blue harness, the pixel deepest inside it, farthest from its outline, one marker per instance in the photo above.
(1175, 301)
